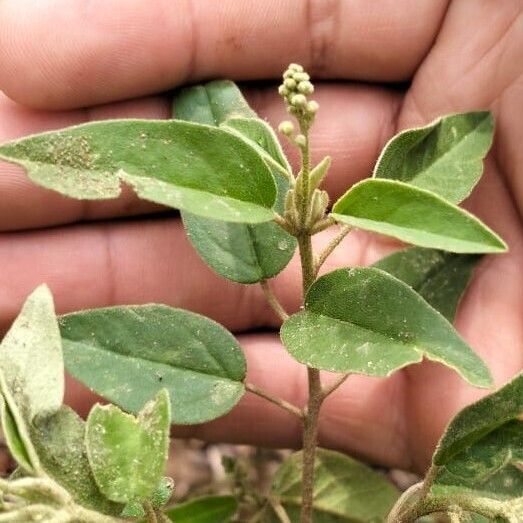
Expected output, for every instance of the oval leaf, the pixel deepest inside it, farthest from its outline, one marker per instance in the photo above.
(33, 342)
(344, 489)
(414, 216)
(209, 509)
(439, 277)
(128, 454)
(364, 320)
(127, 354)
(445, 157)
(481, 418)
(202, 169)
(239, 252)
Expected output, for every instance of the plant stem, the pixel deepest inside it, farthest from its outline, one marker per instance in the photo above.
(310, 424)
(150, 514)
(310, 442)
(331, 246)
(322, 225)
(329, 389)
(273, 301)
(289, 407)
(279, 510)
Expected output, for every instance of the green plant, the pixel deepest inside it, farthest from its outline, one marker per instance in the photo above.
(246, 212)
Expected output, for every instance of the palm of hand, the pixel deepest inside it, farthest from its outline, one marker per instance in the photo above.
(394, 421)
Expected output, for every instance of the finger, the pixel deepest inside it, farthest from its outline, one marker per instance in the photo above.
(353, 141)
(474, 70)
(25, 205)
(100, 52)
(145, 261)
(364, 416)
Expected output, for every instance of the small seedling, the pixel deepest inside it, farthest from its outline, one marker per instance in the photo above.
(246, 211)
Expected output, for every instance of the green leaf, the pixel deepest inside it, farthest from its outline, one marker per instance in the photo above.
(259, 134)
(128, 454)
(364, 320)
(490, 467)
(209, 509)
(202, 169)
(481, 452)
(345, 490)
(162, 493)
(127, 354)
(238, 252)
(439, 277)
(479, 419)
(13, 438)
(134, 509)
(445, 157)
(414, 216)
(211, 103)
(59, 439)
(31, 357)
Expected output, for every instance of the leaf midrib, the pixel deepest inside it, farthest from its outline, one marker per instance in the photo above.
(168, 366)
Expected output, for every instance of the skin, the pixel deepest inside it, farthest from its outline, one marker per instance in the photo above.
(108, 59)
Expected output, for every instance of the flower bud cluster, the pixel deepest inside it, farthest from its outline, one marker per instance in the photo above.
(295, 88)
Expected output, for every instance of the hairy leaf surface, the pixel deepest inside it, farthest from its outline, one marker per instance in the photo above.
(60, 442)
(438, 276)
(238, 252)
(414, 216)
(481, 452)
(345, 490)
(445, 157)
(479, 419)
(128, 454)
(31, 357)
(203, 169)
(366, 321)
(127, 354)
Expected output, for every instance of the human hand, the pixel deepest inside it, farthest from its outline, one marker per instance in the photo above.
(58, 56)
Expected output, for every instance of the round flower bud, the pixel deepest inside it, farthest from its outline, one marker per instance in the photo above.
(301, 77)
(300, 140)
(289, 83)
(296, 67)
(286, 128)
(298, 100)
(283, 90)
(288, 74)
(305, 87)
(312, 107)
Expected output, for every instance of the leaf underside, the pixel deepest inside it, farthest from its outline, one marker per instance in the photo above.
(414, 216)
(127, 454)
(127, 354)
(60, 442)
(365, 321)
(203, 169)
